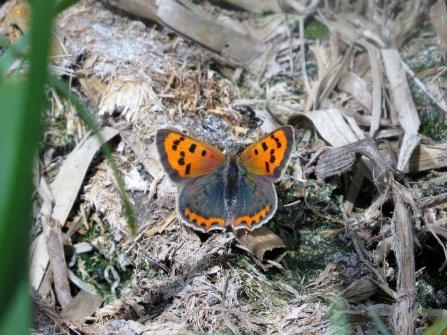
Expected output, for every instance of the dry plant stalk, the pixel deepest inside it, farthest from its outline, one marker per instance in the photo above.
(403, 245)
(339, 160)
(56, 255)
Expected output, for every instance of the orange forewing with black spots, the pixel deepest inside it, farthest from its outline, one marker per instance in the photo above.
(183, 156)
(270, 155)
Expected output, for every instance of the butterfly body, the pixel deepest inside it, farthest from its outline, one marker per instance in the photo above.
(216, 191)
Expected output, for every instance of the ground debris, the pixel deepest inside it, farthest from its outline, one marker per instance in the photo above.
(362, 164)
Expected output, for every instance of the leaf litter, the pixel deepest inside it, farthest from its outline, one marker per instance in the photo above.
(338, 92)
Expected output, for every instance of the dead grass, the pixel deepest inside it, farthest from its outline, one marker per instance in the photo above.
(338, 92)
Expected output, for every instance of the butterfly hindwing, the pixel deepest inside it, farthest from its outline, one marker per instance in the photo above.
(256, 202)
(184, 157)
(270, 155)
(201, 202)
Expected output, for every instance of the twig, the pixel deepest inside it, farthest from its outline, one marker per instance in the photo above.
(403, 246)
(57, 260)
(358, 245)
(291, 204)
(441, 244)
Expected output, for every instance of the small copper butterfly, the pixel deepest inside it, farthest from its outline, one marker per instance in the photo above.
(215, 191)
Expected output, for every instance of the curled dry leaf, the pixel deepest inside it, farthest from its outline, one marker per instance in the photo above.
(263, 245)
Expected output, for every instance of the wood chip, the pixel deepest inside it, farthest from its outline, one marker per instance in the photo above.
(409, 144)
(210, 33)
(365, 288)
(338, 160)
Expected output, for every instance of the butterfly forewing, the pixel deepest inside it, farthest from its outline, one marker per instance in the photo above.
(184, 157)
(269, 156)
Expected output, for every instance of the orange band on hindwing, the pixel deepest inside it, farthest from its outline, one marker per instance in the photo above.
(253, 219)
(206, 223)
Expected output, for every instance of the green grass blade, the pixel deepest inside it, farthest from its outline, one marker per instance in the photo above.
(11, 53)
(15, 190)
(438, 328)
(16, 321)
(20, 120)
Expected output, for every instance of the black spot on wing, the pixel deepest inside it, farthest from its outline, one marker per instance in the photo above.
(267, 167)
(192, 148)
(264, 146)
(272, 156)
(175, 143)
(277, 140)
